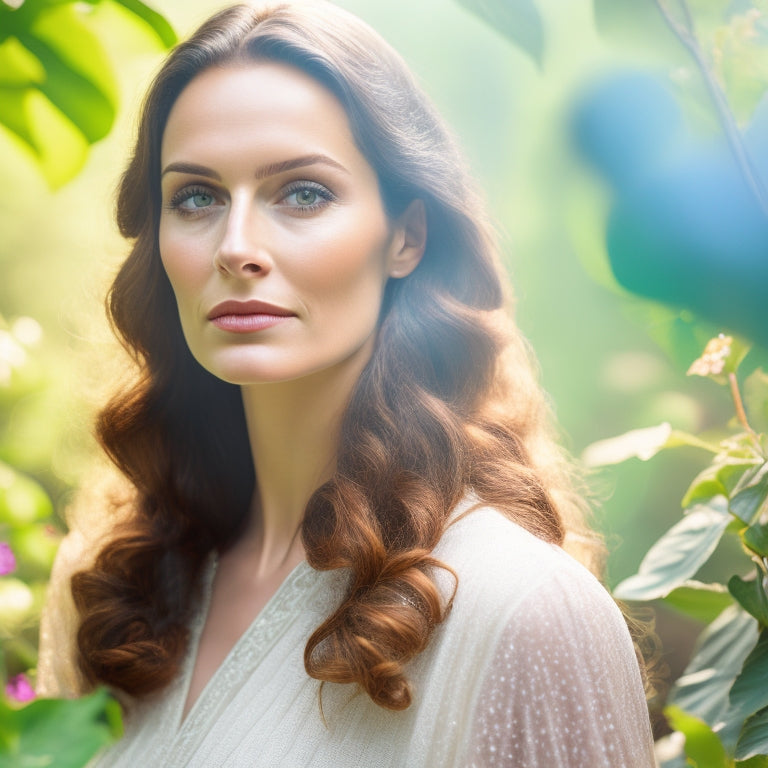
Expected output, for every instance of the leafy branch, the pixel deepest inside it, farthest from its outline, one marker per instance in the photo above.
(720, 699)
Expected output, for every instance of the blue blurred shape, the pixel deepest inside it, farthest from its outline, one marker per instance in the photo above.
(695, 236)
(624, 123)
(687, 227)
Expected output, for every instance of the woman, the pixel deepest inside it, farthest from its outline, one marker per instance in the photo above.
(342, 541)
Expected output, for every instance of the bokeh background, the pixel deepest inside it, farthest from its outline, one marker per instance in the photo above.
(611, 361)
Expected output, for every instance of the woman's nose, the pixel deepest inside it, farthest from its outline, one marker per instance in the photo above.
(242, 251)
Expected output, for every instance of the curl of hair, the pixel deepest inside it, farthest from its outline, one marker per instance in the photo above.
(448, 402)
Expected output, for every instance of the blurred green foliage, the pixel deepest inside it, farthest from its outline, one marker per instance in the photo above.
(58, 95)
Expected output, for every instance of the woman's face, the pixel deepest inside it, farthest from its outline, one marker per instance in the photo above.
(272, 231)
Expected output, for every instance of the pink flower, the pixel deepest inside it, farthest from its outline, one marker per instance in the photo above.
(7, 560)
(19, 689)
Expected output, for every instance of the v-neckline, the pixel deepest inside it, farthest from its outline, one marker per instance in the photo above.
(290, 583)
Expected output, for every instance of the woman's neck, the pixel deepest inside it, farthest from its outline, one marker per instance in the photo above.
(293, 429)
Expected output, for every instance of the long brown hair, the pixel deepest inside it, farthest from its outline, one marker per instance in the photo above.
(448, 403)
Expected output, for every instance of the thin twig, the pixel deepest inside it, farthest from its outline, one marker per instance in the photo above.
(741, 414)
(688, 38)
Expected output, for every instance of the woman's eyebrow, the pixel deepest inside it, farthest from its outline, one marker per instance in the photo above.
(272, 169)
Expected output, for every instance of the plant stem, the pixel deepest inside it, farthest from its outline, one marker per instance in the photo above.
(741, 414)
(687, 36)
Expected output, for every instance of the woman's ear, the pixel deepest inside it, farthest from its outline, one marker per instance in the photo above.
(409, 240)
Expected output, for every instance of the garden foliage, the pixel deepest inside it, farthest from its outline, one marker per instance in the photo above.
(58, 96)
(720, 702)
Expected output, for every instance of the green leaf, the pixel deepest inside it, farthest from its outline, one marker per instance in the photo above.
(747, 503)
(717, 659)
(14, 115)
(158, 23)
(88, 107)
(751, 595)
(756, 538)
(64, 29)
(18, 67)
(642, 444)
(749, 493)
(749, 693)
(517, 20)
(678, 554)
(637, 443)
(722, 477)
(55, 732)
(754, 762)
(701, 743)
(59, 149)
(753, 740)
(703, 602)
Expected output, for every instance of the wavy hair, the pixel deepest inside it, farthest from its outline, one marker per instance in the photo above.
(449, 402)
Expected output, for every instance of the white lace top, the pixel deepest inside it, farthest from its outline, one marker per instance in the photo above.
(533, 668)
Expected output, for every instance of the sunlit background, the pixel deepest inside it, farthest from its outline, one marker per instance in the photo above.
(535, 135)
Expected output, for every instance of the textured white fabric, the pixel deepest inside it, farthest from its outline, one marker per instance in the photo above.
(533, 668)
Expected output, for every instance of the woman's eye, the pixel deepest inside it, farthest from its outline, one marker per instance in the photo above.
(192, 200)
(199, 200)
(306, 196)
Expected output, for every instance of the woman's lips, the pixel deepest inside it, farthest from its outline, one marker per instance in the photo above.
(247, 316)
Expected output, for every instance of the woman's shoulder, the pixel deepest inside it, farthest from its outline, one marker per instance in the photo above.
(500, 566)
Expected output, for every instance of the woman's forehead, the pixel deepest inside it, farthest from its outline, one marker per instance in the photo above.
(263, 102)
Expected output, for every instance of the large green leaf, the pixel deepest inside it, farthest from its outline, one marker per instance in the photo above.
(48, 50)
(55, 732)
(704, 602)
(701, 744)
(517, 20)
(18, 67)
(88, 107)
(15, 116)
(717, 659)
(679, 553)
(158, 23)
(751, 595)
(749, 692)
(65, 30)
(753, 740)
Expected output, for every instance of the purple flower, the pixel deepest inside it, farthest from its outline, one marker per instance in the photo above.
(19, 689)
(7, 560)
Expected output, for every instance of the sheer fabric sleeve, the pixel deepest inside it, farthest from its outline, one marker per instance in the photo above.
(57, 671)
(563, 688)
